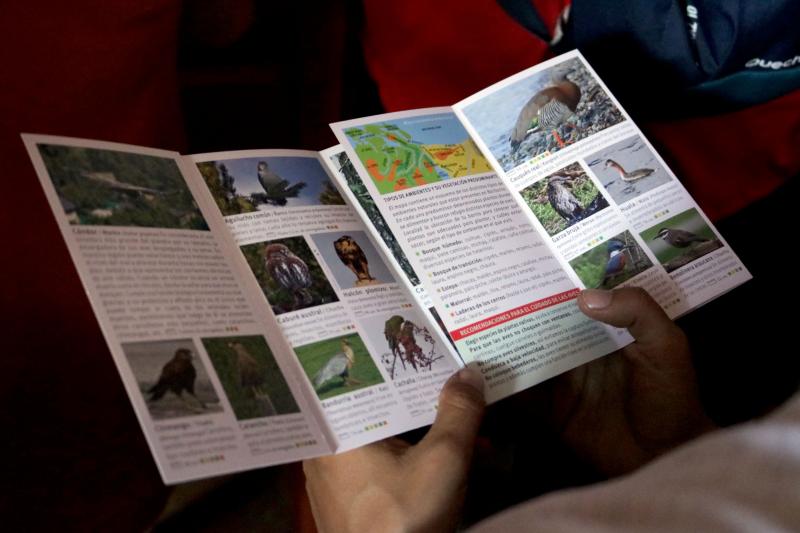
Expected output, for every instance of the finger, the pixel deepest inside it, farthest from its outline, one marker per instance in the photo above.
(461, 408)
(634, 309)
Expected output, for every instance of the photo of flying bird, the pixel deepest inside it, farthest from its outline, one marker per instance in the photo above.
(631, 176)
(177, 375)
(547, 110)
(339, 365)
(353, 257)
(290, 272)
(276, 189)
(679, 238)
(252, 378)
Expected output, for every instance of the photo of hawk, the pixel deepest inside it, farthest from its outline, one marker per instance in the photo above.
(354, 258)
(177, 375)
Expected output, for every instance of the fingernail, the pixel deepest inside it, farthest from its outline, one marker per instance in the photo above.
(471, 377)
(596, 299)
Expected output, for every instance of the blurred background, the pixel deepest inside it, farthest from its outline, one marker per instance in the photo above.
(210, 75)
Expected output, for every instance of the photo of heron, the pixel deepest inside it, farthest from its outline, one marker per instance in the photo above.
(611, 263)
(338, 366)
(352, 259)
(289, 274)
(563, 198)
(252, 380)
(679, 240)
(172, 379)
(627, 169)
(542, 113)
(245, 185)
(115, 188)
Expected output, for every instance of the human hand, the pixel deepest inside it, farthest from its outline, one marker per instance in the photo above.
(622, 410)
(393, 486)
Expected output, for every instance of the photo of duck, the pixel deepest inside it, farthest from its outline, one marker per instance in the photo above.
(627, 169)
(542, 113)
(634, 175)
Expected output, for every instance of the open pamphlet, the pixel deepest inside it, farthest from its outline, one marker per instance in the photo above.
(267, 306)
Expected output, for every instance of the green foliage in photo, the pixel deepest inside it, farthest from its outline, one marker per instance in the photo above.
(591, 266)
(281, 299)
(313, 357)
(223, 189)
(245, 401)
(535, 196)
(114, 188)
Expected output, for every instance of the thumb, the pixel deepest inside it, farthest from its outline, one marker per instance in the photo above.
(461, 408)
(632, 308)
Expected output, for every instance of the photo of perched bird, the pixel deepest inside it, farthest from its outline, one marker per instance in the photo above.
(633, 175)
(276, 189)
(617, 261)
(562, 200)
(353, 258)
(547, 110)
(290, 272)
(404, 337)
(339, 365)
(679, 238)
(177, 375)
(252, 378)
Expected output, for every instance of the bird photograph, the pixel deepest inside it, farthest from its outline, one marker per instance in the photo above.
(289, 274)
(352, 259)
(627, 169)
(410, 345)
(249, 184)
(172, 379)
(114, 188)
(681, 239)
(611, 263)
(542, 113)
(250, 376)
(563, 198)
(338, 366)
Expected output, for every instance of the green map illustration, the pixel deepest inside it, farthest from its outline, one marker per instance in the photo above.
(395, 161)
